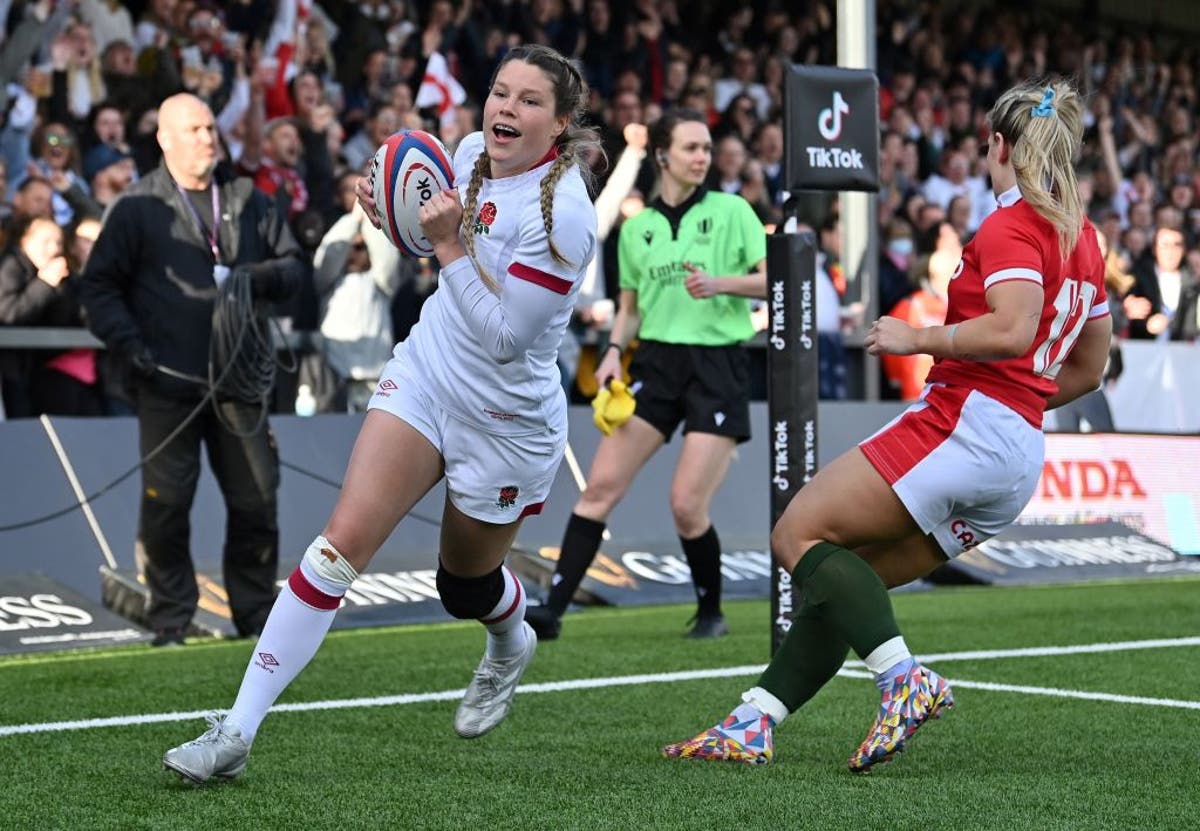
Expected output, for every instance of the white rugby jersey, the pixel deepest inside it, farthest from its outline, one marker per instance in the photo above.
(491, 360)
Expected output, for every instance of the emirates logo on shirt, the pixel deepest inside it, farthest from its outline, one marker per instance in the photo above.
(485, 218)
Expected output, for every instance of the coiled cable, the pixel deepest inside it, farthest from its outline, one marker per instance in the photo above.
(242, 364)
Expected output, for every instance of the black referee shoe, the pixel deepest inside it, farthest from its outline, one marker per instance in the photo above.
(171, 636)
(544, 621)
(708, 625)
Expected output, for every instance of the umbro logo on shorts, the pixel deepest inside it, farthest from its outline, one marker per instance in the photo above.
(719, 418)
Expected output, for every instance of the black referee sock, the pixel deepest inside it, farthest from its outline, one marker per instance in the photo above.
(704, 558)
(580, 543)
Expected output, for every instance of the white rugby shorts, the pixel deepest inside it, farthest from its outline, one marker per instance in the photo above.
(490, 477)
(963, 464)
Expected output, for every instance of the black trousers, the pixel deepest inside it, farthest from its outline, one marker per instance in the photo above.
(247, 470)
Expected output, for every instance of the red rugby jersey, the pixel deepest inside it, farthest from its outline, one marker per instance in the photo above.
(1016, 243)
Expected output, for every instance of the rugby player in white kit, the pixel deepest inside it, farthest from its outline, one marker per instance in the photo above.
(473, 395)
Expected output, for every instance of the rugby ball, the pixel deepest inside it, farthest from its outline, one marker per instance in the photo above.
(408, 169)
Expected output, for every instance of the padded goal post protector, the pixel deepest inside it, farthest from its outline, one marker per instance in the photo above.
(831, 129)
(791, 392)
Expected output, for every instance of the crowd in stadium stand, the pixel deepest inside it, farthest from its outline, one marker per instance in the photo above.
(305, 91)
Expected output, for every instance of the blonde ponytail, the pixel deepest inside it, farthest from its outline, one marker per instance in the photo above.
(1044, 124)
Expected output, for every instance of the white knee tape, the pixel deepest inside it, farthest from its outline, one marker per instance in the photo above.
(328, 563)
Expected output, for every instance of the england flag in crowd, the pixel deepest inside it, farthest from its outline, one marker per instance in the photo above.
(440, 90)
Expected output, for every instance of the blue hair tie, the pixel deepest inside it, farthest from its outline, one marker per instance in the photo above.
(1046, 108)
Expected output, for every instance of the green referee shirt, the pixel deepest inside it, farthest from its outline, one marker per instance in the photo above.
(718, 233)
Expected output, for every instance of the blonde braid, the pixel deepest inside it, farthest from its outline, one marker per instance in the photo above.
(566, 159)
(482, 166)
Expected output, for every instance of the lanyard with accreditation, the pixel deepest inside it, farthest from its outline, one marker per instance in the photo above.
(220, 272)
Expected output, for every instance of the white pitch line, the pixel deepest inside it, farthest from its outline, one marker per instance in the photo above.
(1041, 651)
(388, 700)
(667, 678)
(1087, 696)
(1055, 692)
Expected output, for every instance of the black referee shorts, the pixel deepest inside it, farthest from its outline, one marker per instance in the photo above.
(705, 387)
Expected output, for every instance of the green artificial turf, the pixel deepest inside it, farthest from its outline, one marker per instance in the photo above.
(588, 758)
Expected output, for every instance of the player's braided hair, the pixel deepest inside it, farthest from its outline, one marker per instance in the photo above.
(1044, 123)
(482, 165)
(570, 99)
(566, 158)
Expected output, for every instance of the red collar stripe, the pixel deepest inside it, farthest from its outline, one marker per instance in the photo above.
(549, 157)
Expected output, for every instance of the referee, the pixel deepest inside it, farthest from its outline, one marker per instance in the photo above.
(689, 264)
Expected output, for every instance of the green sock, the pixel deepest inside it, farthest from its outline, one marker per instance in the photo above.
(849, 594)
(810, 655)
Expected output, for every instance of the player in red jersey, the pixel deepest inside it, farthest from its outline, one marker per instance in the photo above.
(1027, 329)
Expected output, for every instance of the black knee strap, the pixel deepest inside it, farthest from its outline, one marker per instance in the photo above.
(469, 598)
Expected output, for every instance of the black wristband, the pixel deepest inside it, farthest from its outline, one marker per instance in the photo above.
(615, 346)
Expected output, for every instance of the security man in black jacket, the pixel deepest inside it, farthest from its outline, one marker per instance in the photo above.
(150, 289)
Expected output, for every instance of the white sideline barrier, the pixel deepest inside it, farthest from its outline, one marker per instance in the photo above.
(1159, 389)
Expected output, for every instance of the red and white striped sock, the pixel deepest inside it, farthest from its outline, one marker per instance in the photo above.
(297, 625)
(505, 623)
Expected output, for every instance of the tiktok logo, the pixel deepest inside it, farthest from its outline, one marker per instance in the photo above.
(829, 122)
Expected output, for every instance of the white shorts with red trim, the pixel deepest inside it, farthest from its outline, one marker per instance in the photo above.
(963, 464)
(493, 478)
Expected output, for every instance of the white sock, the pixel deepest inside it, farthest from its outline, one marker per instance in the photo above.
(505, 623)
(297, 625)
(766, 702)
(885, 656)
